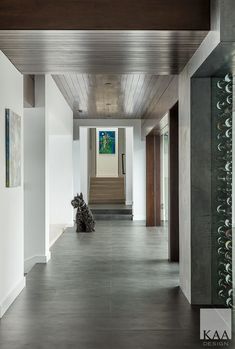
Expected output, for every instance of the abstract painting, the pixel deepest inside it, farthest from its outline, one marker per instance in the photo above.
(13, 149)
(107, 142)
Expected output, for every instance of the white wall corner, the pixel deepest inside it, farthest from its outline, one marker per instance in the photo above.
(29, 263)
(11, 212)
(6, 303)
(139, 217)
(69, 225)
(56, 230)
(47, 257)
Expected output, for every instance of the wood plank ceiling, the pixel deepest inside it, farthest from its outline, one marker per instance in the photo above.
(102, 74)
(109, 58)
(112, 96)
(94, 52)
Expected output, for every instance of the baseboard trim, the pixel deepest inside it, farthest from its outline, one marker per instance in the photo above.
(139, 218)
(61, 228)
(47, 257)
(30, 262)
(70, 225)
(61, 231)
(6, 303)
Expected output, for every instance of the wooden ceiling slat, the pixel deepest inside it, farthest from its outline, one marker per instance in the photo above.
(135, 83)
(68, 97)
(145, 93)
(113, 96)
(158, 84)
(153, 103)
(138, 64)
(100, 52)
(143, 81)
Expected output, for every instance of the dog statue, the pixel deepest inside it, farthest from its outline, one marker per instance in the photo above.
(84, 218)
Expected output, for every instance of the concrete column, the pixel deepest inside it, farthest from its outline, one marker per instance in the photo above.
(201, 177)
(213, 58)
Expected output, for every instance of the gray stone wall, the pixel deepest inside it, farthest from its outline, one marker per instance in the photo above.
(201, 218)
(211, 59)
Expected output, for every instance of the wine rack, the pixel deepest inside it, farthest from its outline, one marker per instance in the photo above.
(222, 172)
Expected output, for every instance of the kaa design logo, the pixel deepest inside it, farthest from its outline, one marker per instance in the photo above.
(215, 326)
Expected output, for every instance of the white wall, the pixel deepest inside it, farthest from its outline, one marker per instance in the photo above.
(36, 249)
(48, 170)
(60, 155)
(36, 205)
(139, 157)
(61, 179)
(139, 174)
(164, 155)
(129, 165)
(11, 204)
(106, 164)
(76, 167)
(83, 148)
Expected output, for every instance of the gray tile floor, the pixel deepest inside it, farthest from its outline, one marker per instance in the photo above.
(112, 289)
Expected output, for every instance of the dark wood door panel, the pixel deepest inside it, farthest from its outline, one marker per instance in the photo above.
(153, 186)
(173, 184)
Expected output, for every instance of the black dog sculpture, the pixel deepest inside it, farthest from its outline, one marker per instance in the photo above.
(84, 218)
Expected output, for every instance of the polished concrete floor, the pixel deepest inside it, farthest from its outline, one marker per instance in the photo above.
(112, 289)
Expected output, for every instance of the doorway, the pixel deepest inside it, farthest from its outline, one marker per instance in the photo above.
(107, 177)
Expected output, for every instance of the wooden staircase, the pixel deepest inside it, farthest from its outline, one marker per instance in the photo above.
(107, 190)
(109, 212)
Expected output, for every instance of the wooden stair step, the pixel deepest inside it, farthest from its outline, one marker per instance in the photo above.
(107, 190)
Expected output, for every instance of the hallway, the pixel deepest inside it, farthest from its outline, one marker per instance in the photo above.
(110, 289)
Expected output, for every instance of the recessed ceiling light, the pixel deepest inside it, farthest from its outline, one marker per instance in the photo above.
(108, 83)
(108, 103)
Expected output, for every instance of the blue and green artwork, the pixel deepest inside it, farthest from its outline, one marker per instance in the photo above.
(107, 142)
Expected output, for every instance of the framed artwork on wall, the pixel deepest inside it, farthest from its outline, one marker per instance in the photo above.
(13, 148)
(107, 142)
